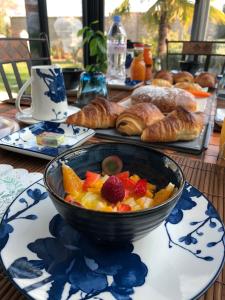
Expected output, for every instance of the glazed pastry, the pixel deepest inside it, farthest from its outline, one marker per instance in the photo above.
(99, 113)
(188, 86)
(164, 75)
(134, 119)
(161, 82)
(183, 77)
(206, 80)
(178, 125)
(166, 99)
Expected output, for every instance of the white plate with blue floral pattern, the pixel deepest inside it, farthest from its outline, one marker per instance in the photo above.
(24, 140)
(47, 259)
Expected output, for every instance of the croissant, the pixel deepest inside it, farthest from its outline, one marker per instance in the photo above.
(134, 119)
(178, 125)
(99, 113)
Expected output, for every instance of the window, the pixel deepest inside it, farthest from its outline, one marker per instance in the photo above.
(141, 20)
(13, 24)
(216, 21)
(64, 21)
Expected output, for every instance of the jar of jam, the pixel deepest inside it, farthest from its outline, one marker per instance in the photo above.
(137, 70)
(148, 62)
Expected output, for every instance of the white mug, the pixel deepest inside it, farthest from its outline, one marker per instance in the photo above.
(48, 94)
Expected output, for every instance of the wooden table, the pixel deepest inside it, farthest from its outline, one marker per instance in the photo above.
(204, 171)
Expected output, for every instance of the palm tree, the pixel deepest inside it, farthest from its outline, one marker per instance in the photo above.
(122, 9)
(164, 13)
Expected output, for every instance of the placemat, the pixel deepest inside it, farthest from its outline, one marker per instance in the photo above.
(209, 179)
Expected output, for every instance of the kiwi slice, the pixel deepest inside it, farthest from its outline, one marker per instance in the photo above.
(112, 165)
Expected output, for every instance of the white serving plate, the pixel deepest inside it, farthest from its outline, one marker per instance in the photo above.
(179, 260)
(24, 140)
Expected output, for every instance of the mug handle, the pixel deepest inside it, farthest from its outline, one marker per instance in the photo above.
(20, 94)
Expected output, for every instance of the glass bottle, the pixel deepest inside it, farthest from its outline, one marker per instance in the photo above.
(220, 92)
(137, 70)
(129, 57)
(148, 62)
(116, 51)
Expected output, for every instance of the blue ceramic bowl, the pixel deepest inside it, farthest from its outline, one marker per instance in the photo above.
(115, 227)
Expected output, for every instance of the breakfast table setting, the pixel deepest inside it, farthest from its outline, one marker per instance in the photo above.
(176, 252)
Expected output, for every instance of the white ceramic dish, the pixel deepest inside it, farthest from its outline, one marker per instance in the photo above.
(7, 126)
(24, 140)
(27, 118)
(123, 86)
(177, 261)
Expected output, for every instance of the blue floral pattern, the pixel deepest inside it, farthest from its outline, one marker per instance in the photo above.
(55, 83)
(35, 197)
(25, 139)
(188, 201)
(63, 258)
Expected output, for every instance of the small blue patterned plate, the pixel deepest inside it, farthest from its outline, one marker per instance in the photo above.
(24, 140)
(47, 259)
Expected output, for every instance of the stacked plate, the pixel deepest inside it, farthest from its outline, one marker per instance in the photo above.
(7, 126)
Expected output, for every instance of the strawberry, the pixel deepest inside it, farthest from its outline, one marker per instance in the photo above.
(140, 188)
(123, 175)
(90, 180)
(128, 184)
(123, 207)
(113, 190)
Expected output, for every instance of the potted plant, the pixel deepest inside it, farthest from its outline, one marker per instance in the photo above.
(93, 80)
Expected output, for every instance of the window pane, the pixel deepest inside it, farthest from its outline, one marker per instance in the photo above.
(64, 20)
(13, 19)
(216, 32)
(216, 21)
(153, 21)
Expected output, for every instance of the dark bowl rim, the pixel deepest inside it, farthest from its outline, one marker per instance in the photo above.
(101, 213)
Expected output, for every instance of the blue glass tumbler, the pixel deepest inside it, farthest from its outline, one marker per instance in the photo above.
(91, 85)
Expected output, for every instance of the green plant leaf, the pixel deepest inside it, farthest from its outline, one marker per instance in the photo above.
(93, 46)
(95, 22)
(82, 31)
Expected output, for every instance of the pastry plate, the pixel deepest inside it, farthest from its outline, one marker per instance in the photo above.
(195, 147)
(177, 261)
(24, 140)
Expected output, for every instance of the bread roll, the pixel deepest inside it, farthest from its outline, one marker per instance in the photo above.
(206, 80)
(134, 119)
(161, 82)
(99, 113)
(164, 75)
(183, 77)
(166, 99)
(188, 86)
(178, 125)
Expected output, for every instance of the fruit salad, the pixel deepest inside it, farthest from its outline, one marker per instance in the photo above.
(113, 190)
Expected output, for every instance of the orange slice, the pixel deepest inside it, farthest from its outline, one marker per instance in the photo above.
(71, 181)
